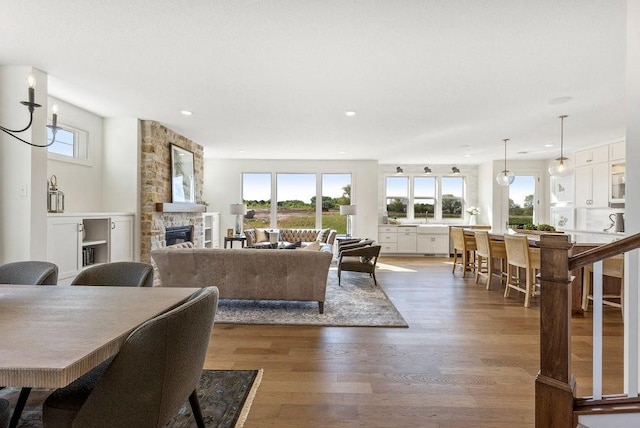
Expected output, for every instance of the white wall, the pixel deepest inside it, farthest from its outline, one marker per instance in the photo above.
(23, 182)
(81, 183)
(486, 178)
(223, 184)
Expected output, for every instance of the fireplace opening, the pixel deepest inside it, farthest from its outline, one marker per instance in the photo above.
(176, 235)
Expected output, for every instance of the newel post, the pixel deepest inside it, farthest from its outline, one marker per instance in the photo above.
(555, 387)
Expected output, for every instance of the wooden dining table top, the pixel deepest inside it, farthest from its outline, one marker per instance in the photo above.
(51, 335)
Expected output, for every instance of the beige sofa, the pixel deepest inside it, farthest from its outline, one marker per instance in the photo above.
(249, 274)
(260, 237)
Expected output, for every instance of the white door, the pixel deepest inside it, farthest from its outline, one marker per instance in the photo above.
(121, 239)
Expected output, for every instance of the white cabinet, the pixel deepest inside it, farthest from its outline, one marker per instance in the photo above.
(388, 239)
(121, 239)
(75, 241)
(433, 240)
(407, 239)
(592, 186)
(591, 156)
(211, 230)
(617, 151)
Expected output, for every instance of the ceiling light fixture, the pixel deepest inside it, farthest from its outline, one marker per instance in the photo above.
(350, 113)
(399, 170)
(31, 105)
(186, 112)
(506, 177)
(559, 100)
(455, 170)
(427, 170)
(561, 167)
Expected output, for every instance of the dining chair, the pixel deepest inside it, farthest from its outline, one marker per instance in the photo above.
(521, 257)
(613, 267)
(122, 274)
(466, 246)
(29, 273)
(359, 259)
(488, 252)
(155, 372)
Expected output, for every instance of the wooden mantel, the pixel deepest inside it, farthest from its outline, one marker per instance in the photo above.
(185, 207)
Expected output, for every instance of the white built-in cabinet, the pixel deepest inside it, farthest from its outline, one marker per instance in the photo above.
(433, 240)
(592, 178)
(211, 230)
(403, 239)
(75, 241)
(407, 239)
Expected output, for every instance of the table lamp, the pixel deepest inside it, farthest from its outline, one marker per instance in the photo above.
(349, 211)
(239, 210)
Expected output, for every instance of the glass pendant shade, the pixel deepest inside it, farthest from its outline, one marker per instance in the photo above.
(560, 167)
(505, 178)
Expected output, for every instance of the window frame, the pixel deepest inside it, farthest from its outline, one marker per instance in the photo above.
(80, 146)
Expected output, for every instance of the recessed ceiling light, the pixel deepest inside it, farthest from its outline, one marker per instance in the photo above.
(342, 152)
(186, 112)
(467, 155)
(240, 150)
(350, 113)
(559, 100)
(549, 145)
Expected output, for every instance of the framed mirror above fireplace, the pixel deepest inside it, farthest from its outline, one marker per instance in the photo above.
(183, 180)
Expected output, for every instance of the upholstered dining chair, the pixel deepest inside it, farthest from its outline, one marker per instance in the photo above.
(155, 372)
(123, 274)
(29, 273)
(520, 256)
(466, 246)
(360, 259)
(488, 252)
(613, 267)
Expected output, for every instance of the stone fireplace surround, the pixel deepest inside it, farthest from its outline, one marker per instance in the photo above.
(155, 172)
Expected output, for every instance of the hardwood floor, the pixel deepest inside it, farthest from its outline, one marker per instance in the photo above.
(468, 359)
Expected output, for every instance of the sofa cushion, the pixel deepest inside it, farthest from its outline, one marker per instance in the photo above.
(314, 246)
(262, 235)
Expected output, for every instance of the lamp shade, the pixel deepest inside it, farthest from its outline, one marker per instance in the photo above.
(348, 210)
(238, 209)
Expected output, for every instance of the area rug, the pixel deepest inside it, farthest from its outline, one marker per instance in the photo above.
(357, 303)
(225, 398)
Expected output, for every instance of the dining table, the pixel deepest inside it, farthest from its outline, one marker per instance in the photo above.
(52, 335)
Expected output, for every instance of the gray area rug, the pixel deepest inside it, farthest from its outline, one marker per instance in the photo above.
(357, 303)
(225, 398)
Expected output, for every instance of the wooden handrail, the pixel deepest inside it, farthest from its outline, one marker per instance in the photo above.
(604, 252)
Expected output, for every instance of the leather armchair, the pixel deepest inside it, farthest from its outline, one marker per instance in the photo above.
(29, 273)
(361, 259)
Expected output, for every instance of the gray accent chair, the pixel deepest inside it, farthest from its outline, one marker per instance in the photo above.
(150, 378)
(29, 273)
(123, 274)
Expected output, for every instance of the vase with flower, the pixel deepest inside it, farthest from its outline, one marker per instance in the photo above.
(473, 215)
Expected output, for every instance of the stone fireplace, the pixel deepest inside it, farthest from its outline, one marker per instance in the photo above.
(156, 187)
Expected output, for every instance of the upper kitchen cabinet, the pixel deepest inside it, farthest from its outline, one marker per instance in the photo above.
(592, 178)
(592, 156)
(617, 151)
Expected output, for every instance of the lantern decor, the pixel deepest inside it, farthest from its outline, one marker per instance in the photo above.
(55, 197)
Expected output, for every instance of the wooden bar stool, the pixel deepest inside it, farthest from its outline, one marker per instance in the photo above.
(521, 257)
(466, 246)
(613, 267)
(488, 252)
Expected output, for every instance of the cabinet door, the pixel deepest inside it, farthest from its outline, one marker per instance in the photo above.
(423, 244)
(63, 245)
(440, 244)
(121, 239)
(599, 185)
(617, 151)
(407, 242)
(215, 230)
(583, 186)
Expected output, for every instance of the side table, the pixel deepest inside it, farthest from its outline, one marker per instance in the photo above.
(232, 239)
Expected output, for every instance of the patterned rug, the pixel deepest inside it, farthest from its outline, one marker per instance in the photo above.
(357, 303)
(225, 398)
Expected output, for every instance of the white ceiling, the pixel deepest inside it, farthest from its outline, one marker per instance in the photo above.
(430, 80)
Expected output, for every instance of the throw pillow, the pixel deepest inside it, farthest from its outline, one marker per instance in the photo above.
(323, 235)
(262, 235)
(314, 246)
(292, 246)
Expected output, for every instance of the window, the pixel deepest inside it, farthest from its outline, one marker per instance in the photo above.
(424, 197)
(397, 196)
(522, 200)
(296, 202)
(70, 143)
(256, 194)
(336, 191)
(452, 197)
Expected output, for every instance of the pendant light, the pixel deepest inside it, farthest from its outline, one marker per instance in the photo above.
(562, 166)
(506, 177)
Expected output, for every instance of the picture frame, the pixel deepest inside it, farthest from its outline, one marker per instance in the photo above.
(183, 179)
(563, 218)
(561, 190)
(229, 233)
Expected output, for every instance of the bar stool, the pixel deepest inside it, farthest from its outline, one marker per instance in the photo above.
(466, 246)
(613, 267)
(520, 256)
(488, 252)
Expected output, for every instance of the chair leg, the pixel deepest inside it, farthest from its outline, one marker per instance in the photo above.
(528, 288)
(479, 268)
(586, 287)
(17, 411)
(373, 274)
(455, 260)
(195, 407)
(506, 286)
(339, 277)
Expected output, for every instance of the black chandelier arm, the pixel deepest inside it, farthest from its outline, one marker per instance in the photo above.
(20, 130)
(53, 140)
